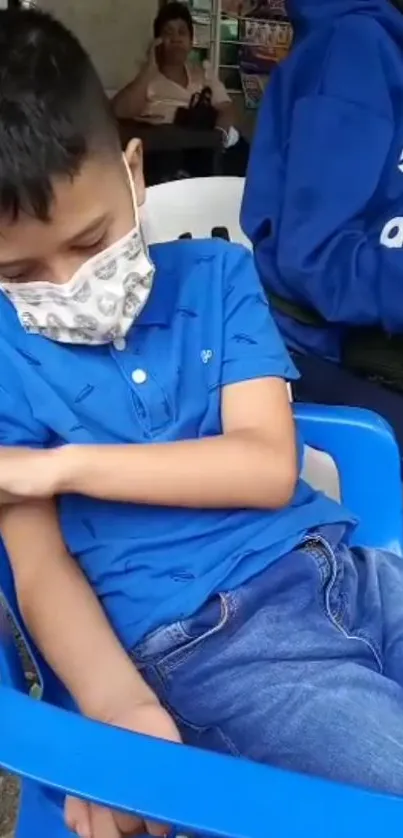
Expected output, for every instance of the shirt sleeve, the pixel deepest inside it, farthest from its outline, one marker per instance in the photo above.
(253, 347)
(17, 424)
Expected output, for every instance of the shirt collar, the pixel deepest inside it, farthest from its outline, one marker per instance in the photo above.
(161, 304)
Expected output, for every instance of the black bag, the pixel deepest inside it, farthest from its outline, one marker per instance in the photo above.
(368, 352)
(200, 115)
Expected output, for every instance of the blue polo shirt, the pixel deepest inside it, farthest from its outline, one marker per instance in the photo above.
(206, 325)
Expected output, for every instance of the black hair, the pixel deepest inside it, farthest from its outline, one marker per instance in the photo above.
(172, 11)
(53, 111)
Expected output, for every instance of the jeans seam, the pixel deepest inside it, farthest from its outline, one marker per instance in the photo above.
(182, 722)
(335, 618)
(228, 742)
(176, 658)
(157, 676)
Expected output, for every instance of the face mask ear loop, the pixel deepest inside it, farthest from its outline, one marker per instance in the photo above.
(132, 191)
(137, 222)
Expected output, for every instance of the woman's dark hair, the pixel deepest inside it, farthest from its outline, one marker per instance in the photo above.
(169, 12)
(54, 112)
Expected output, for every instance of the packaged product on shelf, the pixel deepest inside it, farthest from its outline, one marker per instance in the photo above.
(264, 44)
(254, 8)
(253, 86)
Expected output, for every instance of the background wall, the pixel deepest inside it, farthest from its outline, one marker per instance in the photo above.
(116, 33)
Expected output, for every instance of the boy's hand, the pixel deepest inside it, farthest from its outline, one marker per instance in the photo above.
(91, 821)
(6, 499)
(29, 473)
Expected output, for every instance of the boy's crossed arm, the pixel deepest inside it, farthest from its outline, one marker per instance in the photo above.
(252, 464)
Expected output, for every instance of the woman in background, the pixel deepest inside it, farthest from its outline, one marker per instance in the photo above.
(168, 81)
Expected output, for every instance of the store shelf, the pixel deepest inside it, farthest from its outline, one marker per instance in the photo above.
(242, 47)
(252, 45)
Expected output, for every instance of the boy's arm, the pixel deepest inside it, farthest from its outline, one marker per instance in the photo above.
(251, 463)
(64, 616)
(66, 620)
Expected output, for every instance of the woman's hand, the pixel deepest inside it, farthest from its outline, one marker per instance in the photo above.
(152, 60)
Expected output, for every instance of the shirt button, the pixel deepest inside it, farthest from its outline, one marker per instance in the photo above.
(119, 344)
(139, 376)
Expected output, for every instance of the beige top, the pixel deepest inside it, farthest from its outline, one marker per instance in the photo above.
(164, 96)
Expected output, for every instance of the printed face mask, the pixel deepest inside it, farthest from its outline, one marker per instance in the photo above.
(100, 303)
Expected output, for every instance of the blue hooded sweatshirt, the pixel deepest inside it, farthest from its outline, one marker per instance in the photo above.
(323, 203)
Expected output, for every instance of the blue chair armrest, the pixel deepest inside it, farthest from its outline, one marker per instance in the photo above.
(195, 790)
(367, 456)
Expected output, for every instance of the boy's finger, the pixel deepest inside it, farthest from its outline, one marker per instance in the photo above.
(158, 831)
(77, 817)
(103, 823)
(129, 825)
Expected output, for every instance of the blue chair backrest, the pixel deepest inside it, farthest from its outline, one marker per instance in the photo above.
(11, 672)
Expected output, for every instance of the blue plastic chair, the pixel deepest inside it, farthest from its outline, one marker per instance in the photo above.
(55, 750)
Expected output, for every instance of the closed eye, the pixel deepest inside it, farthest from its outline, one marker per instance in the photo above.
(94, 245)
(22, 275)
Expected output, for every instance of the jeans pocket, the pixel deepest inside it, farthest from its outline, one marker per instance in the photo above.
(171, 646)
(331, 575)
(338, 589)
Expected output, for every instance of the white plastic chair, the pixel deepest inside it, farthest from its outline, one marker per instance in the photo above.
(197, 206)
(194, 206)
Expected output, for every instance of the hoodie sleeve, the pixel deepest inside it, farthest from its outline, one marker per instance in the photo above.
(339, 248)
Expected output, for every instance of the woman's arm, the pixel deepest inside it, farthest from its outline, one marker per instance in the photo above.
(131, 101)
(226, 117)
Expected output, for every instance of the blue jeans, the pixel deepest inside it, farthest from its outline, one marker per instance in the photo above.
(302, 667)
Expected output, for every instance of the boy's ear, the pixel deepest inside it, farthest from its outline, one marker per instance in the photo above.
(134, 157)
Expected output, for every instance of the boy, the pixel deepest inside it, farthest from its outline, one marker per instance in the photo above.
(326, 174)
(149, 468)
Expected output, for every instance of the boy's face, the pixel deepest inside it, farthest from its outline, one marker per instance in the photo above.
(88, 214)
